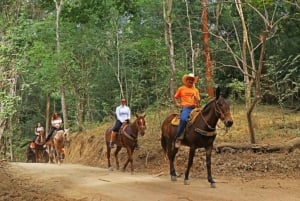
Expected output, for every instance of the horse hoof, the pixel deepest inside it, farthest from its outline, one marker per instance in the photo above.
(173, 178)
(110, 169)
(213, 185)
(186, 182)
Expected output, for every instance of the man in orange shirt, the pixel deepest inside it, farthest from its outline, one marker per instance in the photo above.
(187, 97)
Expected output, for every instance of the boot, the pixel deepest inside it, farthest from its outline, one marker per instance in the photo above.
(112, 139)
(178, 140)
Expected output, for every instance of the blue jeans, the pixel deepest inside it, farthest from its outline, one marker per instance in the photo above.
(184, 117)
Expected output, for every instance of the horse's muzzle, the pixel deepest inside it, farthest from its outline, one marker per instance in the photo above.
(228, 123)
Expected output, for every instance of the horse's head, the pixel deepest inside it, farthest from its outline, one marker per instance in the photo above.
(141, 123)
(66, 137)
(223, 109)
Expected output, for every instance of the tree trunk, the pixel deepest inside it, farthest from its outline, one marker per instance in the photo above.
(288, 146)
(207, 59)
(191, 37)
(64, 107)
(48, 102)
(167, 10)
(58, 7)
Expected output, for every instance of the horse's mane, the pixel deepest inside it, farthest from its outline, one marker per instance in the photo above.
(209, 103)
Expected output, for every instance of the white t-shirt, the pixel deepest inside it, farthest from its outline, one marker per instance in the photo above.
(56, 123)
(123, 113)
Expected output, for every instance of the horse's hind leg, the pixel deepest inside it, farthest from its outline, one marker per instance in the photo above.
(171, 155)
(108, 149)
(190, 164)
(116, 157)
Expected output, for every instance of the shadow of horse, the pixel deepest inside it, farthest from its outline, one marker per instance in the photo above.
(127, 138)
(199, 133)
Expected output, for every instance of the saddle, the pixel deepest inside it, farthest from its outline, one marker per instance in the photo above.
(194, 113)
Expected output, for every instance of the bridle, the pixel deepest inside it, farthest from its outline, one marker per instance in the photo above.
(141, 127)
(220, 115)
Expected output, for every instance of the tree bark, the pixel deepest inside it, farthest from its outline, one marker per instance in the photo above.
(288, 146)
(207, 58)
(167, 10)
(58, 7)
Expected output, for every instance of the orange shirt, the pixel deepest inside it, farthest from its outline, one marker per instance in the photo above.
(188, 96)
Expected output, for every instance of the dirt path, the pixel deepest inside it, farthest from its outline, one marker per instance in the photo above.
(30, 181)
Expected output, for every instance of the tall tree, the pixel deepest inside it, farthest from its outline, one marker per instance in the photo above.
(58, 6)
(167, 12)
(207, 58)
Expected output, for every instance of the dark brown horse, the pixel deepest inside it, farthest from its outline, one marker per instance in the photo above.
(127, 137)
(201, 133)
(40, 150)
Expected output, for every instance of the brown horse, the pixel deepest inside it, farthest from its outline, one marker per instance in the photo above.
(60, 138)
(127, 137)
(200, 133)
(55, 146)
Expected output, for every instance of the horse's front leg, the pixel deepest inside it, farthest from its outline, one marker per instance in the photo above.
(49, 153)
(116, 156)
(190, 164)
(129, 159)
(208, 151)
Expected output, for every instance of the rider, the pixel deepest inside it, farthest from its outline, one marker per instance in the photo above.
(123, 115)
(56, 123)
(187, 97)
(38, 131)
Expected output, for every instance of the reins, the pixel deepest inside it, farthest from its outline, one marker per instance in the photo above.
(128, 135)
(219, 114)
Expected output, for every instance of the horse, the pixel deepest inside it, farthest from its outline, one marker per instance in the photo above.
(55, 146)
(40, 151)
(127, 137)
(200, 133)
(30, 152)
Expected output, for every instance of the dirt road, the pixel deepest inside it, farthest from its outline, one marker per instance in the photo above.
(30, 181)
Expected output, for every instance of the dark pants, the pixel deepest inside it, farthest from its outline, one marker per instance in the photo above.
(51, 131)
(184, 117)
(117, 126)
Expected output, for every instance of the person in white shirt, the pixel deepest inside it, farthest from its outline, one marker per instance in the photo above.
(56, 123)
(123, 115)
(38, 130)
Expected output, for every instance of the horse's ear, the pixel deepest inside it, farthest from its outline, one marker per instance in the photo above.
(217, 92)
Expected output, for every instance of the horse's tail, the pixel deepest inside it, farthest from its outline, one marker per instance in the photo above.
(163, 143)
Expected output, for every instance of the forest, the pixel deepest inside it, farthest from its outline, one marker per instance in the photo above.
(79, 57)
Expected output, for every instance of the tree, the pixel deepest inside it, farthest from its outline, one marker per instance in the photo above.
(251, 58)
(207, 58)
(167, 12)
